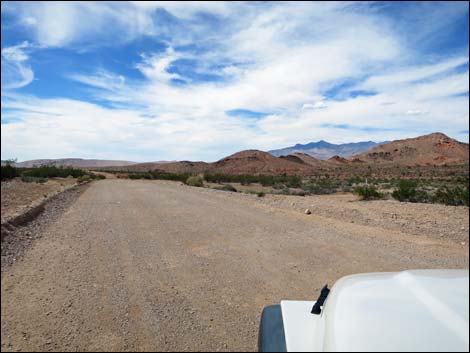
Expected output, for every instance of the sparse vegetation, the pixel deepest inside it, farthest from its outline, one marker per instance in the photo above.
(292, 181)
(455, 196)
(147, 176)
(84, 178)
(50, 171)
(368, 192)
(98, 176)
(408, 192)
(43, 173)
(322, 186)
(9, 172)
(446, 190)
(30, 179)
(227, 187)
(195, 180)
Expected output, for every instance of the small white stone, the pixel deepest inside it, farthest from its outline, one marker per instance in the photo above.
(307, 211)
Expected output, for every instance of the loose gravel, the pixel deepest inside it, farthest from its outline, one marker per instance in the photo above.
(155, 265)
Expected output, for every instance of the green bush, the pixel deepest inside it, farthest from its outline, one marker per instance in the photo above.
(322, 186)
(9, 172)
(30, 179)
(260, 194)
(455, 196)
(98, 176)
(406, 191)
(84, 178)
(227, 187)
(368, 192)
(170, 176)
(195, 180)
(50, 171)
(292, 181)
(147, 176)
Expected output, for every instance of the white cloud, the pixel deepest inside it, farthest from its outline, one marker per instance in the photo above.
(16, 72)
(16, 52)
(316, 105)
(101, 79)
(416, 112)
(155, 67)
(410, 75)
(278, 58)
(64, 127)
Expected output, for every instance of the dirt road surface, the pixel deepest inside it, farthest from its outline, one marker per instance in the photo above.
(154, 265)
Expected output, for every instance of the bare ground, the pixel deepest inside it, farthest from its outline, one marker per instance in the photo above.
(154, 265)
(18, 196)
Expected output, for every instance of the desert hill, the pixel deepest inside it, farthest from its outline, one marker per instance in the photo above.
(432, 149)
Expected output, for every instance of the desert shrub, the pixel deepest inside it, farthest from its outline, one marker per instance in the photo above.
(455, 196)
(406, 191)
(84, 178)
(9, 172)
(195, 180)
(354, 180)
(170, 176)
(321, 186)
(285, 191)
(97, 176)
(228, 187)
(257, 193)
(368, 192)
(146, 175)
(294, 182)
(30, 179)
(48, 171)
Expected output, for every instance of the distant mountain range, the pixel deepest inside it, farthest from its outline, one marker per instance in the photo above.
(429, 150)
(73, 162)
(324, 150)
(433, 149)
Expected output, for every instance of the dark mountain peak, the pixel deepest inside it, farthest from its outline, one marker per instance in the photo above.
(324, 149)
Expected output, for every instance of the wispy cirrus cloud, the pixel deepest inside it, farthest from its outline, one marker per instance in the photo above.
(201, 80)
(16, 71)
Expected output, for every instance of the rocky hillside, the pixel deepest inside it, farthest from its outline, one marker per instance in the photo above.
(257, 162)
(303, 158)
(432, 149)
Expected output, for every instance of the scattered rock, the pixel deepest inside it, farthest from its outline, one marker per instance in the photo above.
(307, 211)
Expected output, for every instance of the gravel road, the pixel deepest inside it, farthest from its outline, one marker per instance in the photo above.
(155, 265)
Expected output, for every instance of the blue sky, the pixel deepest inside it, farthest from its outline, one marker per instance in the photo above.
(198, 81)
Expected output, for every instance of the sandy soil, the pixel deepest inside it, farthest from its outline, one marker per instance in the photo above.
(18, 196)
(155, 265)
(416, 219)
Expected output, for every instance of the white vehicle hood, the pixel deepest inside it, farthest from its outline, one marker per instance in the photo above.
(423, 310)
